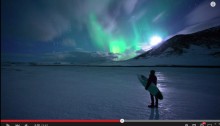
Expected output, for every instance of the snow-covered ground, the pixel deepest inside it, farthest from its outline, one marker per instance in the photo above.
(68, 92)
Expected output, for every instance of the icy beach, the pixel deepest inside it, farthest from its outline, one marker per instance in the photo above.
(71, 92)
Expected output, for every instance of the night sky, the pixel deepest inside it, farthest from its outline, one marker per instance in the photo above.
(71, 30)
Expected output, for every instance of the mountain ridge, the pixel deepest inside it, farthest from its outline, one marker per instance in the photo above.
(209, 38)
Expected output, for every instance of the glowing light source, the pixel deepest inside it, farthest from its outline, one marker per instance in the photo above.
(121, 44)
(155, 40)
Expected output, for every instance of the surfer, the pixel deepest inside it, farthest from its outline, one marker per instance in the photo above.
(152, 79)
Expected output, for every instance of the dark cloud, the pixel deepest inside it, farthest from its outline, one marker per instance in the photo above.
(66, 24)
(34, 20)
(203, 13)
(69, 42)
(200, 26)
(78, 57)
(75, 57)
(129, 5)
(45, 20)
(202, 17)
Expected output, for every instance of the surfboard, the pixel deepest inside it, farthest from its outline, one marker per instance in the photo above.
(153, 89)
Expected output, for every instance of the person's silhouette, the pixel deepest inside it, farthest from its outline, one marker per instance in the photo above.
(152, 80)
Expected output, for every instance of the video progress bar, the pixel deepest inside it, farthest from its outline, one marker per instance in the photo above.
(215, 121)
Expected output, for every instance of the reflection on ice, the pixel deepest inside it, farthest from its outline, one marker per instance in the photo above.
(68, 92)
(154, 114)
(161, 81)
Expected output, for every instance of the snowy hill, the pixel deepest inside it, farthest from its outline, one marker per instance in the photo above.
(200, 48)
(179, 44)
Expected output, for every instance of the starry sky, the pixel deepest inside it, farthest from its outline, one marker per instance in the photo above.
(96, 30)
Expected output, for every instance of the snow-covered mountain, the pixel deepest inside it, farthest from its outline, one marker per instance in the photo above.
(200, 48)
(208, 39)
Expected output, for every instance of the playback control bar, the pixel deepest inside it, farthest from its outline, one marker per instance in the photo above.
(120, 122)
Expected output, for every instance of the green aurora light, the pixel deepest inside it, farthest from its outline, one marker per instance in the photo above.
(103, 40)
(119, 44)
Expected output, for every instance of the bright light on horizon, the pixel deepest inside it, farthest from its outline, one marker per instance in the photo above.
(155, 40)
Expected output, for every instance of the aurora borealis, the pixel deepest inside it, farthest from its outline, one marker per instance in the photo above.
(113, 29)
(105, 41)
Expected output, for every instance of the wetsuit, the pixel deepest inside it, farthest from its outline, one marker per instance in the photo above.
(152, 79)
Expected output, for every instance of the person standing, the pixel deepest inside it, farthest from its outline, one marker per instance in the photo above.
(152, 79)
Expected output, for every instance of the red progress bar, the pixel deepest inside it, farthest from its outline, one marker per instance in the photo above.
(45, 121)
